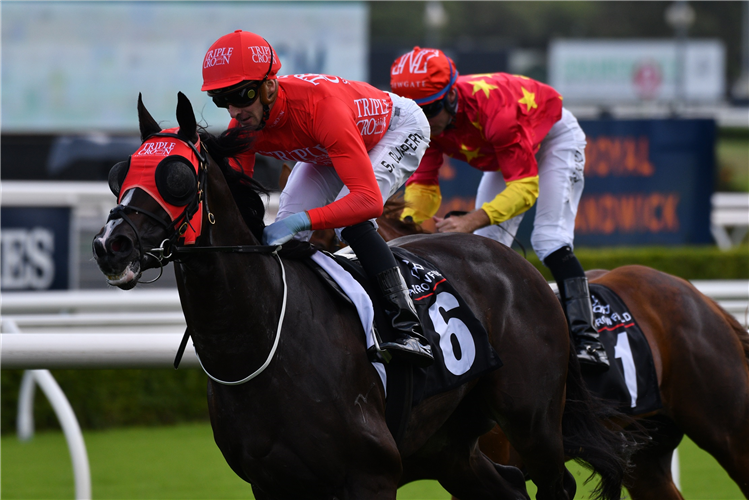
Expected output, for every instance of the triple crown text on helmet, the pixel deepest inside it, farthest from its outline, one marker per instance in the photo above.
(217, 57)
(260, 54)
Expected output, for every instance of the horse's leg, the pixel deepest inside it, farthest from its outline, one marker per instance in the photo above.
(650, 475)
(707, 390)
(466, 473)
(260, 494)
(539, 442)
(711, 405)
(531, 417)
(368, 487)
(477, 477)
(452, 457)
(726, 440)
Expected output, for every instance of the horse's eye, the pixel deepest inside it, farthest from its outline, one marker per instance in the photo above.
(176, 180)
(117, 176)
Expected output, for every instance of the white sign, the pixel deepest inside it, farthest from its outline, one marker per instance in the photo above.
(79, 66)
(608, 71)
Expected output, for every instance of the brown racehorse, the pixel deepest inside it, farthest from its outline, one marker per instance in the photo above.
(701, 356)
(296, 408)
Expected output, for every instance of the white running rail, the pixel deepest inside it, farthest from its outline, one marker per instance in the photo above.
(729, 219)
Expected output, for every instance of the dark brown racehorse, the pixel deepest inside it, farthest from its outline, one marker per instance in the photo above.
(701, 356)
(311, 423)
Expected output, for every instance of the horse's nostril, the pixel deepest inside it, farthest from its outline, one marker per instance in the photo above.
(120, 244)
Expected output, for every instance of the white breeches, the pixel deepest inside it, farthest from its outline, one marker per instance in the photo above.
(561, 161)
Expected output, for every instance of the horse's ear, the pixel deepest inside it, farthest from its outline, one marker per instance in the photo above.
(188, 127)
(148, 125)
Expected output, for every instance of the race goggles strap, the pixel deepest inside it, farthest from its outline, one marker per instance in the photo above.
(442, 93)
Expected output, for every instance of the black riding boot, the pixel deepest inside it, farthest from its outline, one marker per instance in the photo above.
(575, 296)
(576, 304)
(379, 264)
(399, 307)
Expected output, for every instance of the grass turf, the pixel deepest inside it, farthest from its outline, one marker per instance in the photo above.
(182, 462)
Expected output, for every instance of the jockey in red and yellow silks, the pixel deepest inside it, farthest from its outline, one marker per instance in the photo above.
(353, 147)
(502, 121)
(530, 149)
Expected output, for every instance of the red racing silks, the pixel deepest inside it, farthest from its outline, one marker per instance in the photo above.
(142, 172)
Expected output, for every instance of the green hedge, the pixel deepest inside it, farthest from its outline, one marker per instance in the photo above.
(692, 263)
(112, 398)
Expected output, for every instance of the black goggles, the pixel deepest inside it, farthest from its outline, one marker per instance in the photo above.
(433, 108)
(240, 97)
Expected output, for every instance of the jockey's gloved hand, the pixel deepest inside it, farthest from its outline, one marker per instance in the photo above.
(283, 230)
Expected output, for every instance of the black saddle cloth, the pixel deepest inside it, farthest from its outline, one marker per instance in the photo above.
(631, 382)
(460, 344)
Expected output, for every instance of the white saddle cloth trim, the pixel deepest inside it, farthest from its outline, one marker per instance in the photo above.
(359, 297)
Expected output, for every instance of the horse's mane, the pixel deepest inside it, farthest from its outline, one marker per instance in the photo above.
(245, 190)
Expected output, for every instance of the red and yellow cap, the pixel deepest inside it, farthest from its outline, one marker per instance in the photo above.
(238, 57)
(424, 75)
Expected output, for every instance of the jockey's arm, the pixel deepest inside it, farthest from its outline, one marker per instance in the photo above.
(339, 135)
(517, 197)
(422, 201)
(516, 155)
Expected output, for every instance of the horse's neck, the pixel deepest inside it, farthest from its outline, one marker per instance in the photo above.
(228, 298)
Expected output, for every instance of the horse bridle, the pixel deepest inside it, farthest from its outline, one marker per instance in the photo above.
(176, 228)
(169, 249)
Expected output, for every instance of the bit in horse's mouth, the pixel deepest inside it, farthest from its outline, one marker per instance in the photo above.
(129, 275)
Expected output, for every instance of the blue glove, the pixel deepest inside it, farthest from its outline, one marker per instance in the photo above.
(283, 230)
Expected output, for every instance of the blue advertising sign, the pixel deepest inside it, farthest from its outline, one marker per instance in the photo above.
(35, 243)
(647, 182)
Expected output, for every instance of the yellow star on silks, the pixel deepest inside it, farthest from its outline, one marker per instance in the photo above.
(482, 85)
(529, 99)
(470, 154)
(477, 124)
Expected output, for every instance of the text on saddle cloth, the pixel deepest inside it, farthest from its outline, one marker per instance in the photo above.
(631, 382)
(459, 341)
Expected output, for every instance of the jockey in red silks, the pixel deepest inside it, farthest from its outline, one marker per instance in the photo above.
(353, 147)
(530, 149)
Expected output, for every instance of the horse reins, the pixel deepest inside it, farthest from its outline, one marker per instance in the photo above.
(169, 249)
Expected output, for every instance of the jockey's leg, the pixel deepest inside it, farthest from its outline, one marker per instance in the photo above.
(380, 266)
(575, 295)
(561, 165)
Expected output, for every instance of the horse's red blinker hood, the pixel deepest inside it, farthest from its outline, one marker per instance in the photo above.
(166, 168)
